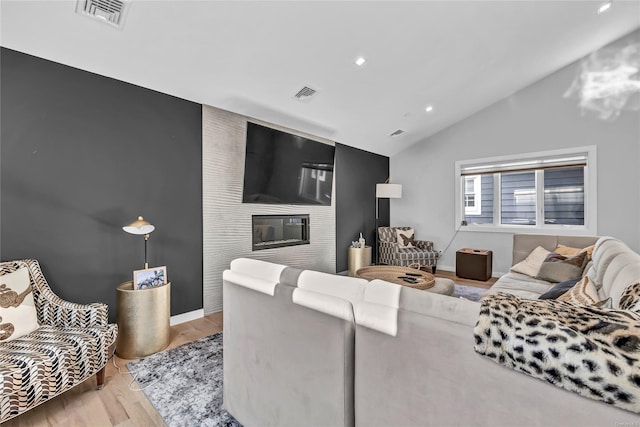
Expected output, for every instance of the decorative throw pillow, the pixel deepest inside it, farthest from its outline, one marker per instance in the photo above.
(559, 289)
(569, 251)
(584, 292)
(531, 265)
(559, 268)
(17, 309)
(630, 298)
(405, 238)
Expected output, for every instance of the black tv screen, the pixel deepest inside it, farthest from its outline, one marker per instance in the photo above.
(283, 168)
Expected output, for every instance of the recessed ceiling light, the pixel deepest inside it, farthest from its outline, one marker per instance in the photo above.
(429, 108)
(360, 61)
(604, 7)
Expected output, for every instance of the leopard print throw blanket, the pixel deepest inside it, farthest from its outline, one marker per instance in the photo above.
(594, 352)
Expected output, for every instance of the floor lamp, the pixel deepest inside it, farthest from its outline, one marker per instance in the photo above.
(385, 191)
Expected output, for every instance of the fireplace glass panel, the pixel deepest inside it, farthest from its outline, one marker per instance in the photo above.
(274, 231)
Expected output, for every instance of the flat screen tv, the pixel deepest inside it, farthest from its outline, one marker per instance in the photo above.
(281, 168)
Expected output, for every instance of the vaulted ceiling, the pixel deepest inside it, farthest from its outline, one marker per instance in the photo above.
(253, 57)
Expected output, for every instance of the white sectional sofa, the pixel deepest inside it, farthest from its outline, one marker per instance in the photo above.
(303, 348)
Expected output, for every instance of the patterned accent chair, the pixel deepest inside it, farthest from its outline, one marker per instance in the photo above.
(73, 342)
(422, 254)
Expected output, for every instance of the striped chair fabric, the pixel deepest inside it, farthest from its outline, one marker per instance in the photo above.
(422, 255)
(73, 342)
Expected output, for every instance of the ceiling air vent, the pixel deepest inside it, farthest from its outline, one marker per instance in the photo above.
(305, 94)
(397, 132)
(108, 11)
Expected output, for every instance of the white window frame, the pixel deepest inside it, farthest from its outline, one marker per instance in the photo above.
(476, 209)
(590, 195)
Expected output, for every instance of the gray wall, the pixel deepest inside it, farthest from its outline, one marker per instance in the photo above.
(357, 173)
(81, 155)
(536, 118)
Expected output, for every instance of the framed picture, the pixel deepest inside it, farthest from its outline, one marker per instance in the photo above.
(149, 277)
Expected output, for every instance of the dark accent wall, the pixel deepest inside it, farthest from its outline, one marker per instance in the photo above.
(357, 173)
(81, 156)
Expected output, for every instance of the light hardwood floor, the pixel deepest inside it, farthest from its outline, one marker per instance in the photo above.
(115, 404)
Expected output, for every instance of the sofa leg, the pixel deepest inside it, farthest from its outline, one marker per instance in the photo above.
(100, 377)
(433, 270)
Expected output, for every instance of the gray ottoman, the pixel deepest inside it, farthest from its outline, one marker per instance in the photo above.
(442, 286)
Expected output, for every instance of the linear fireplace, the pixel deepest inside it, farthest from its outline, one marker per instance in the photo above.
(276, 231)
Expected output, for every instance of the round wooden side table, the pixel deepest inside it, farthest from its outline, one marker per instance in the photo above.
(143, 320)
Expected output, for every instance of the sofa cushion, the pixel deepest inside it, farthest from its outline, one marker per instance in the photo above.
(18, 315)
(584, 292)
(521, 285)
(569, 251)
(559, 268)
(530, 266)
(559, 289)
(590, 351)
(48, 361)
(406, 238)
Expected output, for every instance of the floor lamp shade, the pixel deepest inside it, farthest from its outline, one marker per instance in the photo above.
(388, 191)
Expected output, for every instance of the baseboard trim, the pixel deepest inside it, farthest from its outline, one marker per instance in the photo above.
(186, 317)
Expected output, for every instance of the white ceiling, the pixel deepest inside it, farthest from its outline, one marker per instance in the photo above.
(252, 57)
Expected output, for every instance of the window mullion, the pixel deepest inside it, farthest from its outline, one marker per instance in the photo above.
(497, 208)
(540, 198)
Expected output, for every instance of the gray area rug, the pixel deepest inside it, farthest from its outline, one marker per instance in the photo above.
(468, 292)
(185, 383)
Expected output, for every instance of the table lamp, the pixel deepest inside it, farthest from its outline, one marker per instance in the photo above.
(140, 227)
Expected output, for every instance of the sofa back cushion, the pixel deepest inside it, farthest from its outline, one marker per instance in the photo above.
(18, 315)
(348, 288)
(607, 248)
(523, 244)
(262, 270)
(622, 272)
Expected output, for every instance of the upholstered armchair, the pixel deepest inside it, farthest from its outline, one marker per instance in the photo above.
(419, 253)
(72, 342)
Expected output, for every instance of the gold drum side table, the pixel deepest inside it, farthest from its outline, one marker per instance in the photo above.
(358, 258)
(143, 320)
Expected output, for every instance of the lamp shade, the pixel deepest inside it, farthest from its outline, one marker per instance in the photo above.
(139, 226)
(388, 191)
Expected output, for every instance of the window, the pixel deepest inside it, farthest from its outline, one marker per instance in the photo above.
(547, 190)
(472, 195)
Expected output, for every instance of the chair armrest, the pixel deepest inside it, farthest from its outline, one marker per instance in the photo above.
(424, 244)
(56, 312)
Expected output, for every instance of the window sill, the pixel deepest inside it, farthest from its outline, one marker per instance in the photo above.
(524, 229)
